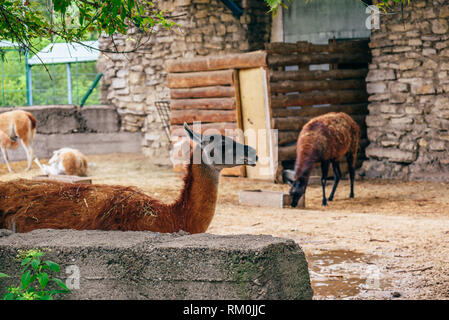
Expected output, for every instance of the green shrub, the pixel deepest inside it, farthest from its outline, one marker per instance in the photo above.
(34, 280)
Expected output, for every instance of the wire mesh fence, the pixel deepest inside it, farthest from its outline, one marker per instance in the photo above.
(163, 109)
(49, 83)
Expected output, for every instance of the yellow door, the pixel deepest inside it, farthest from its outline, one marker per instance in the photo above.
(256, 122)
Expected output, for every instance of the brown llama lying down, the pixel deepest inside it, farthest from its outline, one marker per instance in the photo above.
(27, 205)
(325, 139)
(67, 161)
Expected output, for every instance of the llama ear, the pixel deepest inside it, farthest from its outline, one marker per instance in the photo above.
(192, 135)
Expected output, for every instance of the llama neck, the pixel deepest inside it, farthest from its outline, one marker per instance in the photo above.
(304, 164)
(195, 208)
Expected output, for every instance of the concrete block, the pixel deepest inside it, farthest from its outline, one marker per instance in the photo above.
(53, 119)
(261, 198)
(147, 265)
(101, 119)
(87, 143)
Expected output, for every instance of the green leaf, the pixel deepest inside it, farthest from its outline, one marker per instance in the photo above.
(25, 261)
(61, 284)
(52, 265)
(26, 279)
(43, 279)
(3, 275)
(35, 263)
(45, 296)
(53, 292)
(8, 296)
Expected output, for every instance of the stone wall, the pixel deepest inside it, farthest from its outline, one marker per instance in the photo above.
(408, 83)
(147, 265)
(132, 82)
(91, 129)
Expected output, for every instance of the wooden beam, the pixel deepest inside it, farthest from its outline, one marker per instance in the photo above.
(191, 115)
(63, 178)
(229, 61)
(200, 79)
(287, 137)
(207, 103)
(222, 127)
(307, 59)
(320, 97)
(203, 92)
(307, 47)
(310, 111)
(290, 123)
(306, 75)
(296, 123)
(310, 85)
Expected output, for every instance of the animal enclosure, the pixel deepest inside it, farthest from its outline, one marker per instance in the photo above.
(280, 88)
(308, 80)
(399, 226)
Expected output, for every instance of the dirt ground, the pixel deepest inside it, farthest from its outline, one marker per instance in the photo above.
(390, 242)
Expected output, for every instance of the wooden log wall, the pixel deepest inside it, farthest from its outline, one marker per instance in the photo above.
(297, 89)
(206, 89)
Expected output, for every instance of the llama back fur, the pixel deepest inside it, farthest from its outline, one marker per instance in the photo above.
(26, 205)
(328, 137)
(58, 205)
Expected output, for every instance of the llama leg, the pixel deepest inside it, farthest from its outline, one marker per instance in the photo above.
(337, 176)
(324, 170)
(28, 153)
(5, 156)
(351, 175)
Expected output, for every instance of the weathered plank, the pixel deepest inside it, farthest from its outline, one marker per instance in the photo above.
(296, 123)
(290, 123)
(191, 115)
(319, 97)
(200, 79)
(229, 61)
(307, 47)
(306, 75)
(203, 92)
(310, 85)
(63, 178)
(225, 128)
(206, 103)
(306, 59)
(310, 111)
(285, 137)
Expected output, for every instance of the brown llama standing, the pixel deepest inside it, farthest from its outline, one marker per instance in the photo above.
(27, 205)
(22, 124)
(325, 139)
(7, 143)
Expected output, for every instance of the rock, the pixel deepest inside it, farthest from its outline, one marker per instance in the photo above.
(440, 26)
(393, 155)
(380, 74)
(147, 265)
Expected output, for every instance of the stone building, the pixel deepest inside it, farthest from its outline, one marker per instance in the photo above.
(408, 83)
(133, 82)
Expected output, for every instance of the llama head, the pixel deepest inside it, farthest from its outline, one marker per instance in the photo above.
(220, 151)
(297, 189)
